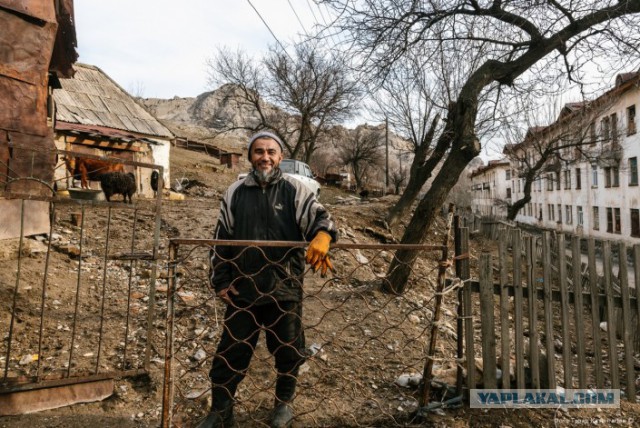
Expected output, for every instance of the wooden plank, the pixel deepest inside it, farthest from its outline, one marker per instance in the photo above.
(579, 308)
(36, 400)
(518, 302)
(626, 322)
(461, 244)
(611, 315)
(534, 364)
(636, 278)
(564, 312)
(548, 308)
(467, 309)
(595, 313)
(487, 323)
(504, 312)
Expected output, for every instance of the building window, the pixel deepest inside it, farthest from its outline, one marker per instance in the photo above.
(508, 175)
(596, 218)
(633, 171)
(635, 222)
(579, 215)
(615, 176)
(550, 181)
(567, 214)
(614, 128)
(613, 220)
(605, 129)
(551, 209)
(559, 213)
(594, 176)
(592, 133)
(631, 120)
(607, 177)
(567, 179)
(556, 177)
(578, 179)
(508, 192)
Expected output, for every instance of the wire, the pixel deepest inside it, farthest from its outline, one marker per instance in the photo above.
(269, 28)
(297, 17)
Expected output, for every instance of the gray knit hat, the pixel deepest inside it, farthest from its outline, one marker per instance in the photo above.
(264, 134)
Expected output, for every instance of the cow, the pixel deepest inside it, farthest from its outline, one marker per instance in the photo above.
(118, 183)
(90, 169)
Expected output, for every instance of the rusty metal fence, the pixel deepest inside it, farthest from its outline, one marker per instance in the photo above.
(366, 350)
(77, 299)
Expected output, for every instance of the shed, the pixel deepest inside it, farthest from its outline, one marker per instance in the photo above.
(94, 115)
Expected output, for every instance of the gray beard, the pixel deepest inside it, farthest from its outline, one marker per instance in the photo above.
(264, 177)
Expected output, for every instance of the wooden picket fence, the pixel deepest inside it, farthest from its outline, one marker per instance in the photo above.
(549, 297)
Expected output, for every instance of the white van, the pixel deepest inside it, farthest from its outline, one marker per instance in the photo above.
(299, 170)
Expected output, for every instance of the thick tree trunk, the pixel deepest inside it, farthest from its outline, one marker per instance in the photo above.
(513, 210)
(459, 135)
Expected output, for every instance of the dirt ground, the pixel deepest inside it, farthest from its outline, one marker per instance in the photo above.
(136, 402)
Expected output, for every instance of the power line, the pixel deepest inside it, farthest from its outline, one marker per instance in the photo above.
(269, 28)
(297, 17)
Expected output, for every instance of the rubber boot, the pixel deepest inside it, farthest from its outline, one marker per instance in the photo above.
(221, 414)
(282, 416)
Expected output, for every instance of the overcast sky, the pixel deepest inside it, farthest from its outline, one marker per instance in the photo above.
(159, 47)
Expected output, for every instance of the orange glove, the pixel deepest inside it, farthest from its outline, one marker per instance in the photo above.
(317, 253)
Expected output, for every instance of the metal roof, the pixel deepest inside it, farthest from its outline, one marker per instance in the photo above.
(90, 97)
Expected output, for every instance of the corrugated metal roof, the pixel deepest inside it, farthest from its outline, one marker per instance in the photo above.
(92, 98)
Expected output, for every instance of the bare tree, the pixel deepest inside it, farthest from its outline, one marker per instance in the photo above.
(362, 152)
(299, 97)
(545, 151)
(513, 36)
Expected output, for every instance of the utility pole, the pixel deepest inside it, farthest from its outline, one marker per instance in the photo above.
(386, 144)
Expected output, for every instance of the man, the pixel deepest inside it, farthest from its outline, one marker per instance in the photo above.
(263, 286)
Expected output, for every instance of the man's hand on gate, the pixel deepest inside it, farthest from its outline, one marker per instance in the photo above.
(224, 294)
(317, 253)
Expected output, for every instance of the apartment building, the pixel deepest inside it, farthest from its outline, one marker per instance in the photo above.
(491, 188)
(589, 185)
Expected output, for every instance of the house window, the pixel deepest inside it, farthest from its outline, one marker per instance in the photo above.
(550, 181)
(596, 218)
(580, 215)
(508, 175)
(631, 120)
(617, 225)
(578, 179)
(605, 129)
(594, 176)
(567, 179)
(614, 128)
(556, 177)
(633, 171)
(508, 192)
(551, 209)
(567, 214)
(607, 177)
(635, 222)
(559, 213)
(610, 220)
(592, 133)
(615, 176)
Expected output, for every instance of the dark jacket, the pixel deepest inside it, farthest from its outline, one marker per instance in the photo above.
(285, 210)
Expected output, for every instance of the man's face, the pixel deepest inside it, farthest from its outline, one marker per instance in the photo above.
(265, 155)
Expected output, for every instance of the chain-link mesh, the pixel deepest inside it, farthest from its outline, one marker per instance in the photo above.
(365, 349)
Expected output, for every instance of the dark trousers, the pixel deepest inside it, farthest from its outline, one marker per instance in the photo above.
(285, 340)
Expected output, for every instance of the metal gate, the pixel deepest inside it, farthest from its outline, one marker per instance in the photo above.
(77, 298)
(365, 349)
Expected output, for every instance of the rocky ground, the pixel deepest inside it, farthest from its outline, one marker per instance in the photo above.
(364, 340)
